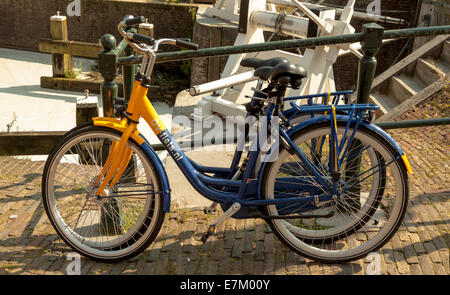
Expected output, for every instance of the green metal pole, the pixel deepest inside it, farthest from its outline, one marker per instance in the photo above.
(128, 71)
(298, 43)
(107, 60)
(110, 211)
(288, 44)
(414, 123)
(372, 41)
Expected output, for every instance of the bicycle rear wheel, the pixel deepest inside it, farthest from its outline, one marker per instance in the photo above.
(362, 220)
(112, 228)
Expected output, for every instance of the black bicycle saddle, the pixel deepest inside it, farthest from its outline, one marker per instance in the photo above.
(255, 63)
(282, 73)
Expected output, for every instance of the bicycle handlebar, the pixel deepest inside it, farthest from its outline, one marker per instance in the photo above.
(186, 44)
(134, 21)
(135, 39)
(138, 38)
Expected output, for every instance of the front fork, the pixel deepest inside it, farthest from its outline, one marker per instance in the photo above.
(118, 158)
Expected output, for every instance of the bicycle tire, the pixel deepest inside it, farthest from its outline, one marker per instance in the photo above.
(306, 245)
(134, 228)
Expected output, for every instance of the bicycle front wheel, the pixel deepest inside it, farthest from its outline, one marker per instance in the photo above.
(367, 213)
(112, 228)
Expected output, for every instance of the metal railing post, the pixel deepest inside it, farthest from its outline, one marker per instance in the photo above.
(128, 71)
(107, 60)
(372, 41)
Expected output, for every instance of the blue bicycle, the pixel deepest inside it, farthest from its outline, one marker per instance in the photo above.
(333, 187)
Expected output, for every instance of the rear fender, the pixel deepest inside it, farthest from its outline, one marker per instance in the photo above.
(321, 119)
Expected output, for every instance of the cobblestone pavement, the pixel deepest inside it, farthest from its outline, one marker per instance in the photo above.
(29, 245)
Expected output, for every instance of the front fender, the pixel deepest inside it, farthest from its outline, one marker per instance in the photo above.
(140, 139)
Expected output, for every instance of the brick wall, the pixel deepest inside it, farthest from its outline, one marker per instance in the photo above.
(24, 22)
(346, 67)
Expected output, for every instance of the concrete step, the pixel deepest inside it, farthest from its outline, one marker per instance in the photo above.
(445, 55)
(443, 66)
(403, 87)
(385, 102)
(429, 70)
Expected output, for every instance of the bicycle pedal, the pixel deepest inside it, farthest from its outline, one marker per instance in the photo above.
(210, 232)
(204, 238)
(212, 227)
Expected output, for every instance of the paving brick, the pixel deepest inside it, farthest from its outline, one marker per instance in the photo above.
(426, 265)
(417, 243)
(432, 252)
(249, 241)
(212, 267)
(445, 260)
(439, 269)
(269, 263)
(410, 254)
(414, 269)
(259, 251)
(269, 243)
(258, 267)
(392, 269)
(237, 248)
(400, 261)
(29, 244)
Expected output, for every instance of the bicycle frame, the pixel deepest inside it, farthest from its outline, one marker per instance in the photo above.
(221, 187)
(243, 191)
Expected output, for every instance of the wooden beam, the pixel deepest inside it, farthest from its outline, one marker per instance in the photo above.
(28, 143)
(76, 85)
(409, 59)
(74, 48)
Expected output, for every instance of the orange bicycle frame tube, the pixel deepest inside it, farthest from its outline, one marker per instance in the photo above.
(120, 154)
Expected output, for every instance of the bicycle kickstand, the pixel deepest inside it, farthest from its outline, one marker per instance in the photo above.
(212, 227)
(211, 208)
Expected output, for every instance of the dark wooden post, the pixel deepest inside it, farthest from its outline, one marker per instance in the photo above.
(87, 108)
(61, 63)
(146, 29)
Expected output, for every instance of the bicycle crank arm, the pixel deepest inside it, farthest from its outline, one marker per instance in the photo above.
(212, 227)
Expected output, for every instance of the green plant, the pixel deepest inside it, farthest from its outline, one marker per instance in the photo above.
(74, 71)
(185, 66)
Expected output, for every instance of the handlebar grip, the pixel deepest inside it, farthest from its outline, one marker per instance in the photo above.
(137, 38)
(186, 44)
(135, 21)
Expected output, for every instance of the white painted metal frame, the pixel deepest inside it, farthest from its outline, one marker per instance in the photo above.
(318, 62)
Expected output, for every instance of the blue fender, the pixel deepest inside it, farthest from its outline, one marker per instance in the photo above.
(320, 119)
(161, 172)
